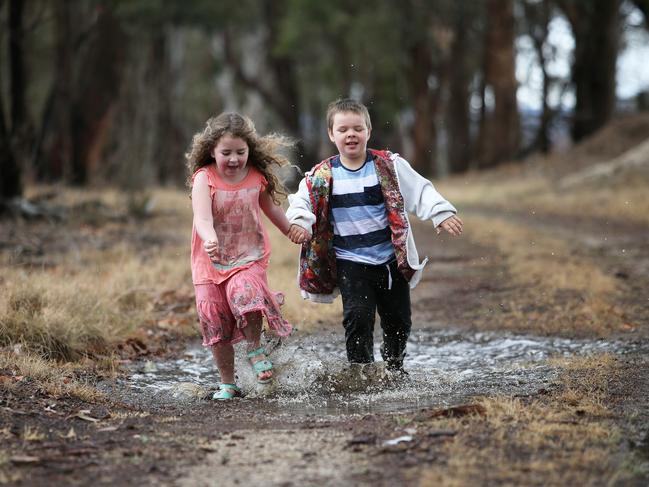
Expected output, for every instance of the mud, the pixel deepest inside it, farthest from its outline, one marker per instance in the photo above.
(443, 367)
(322, 424)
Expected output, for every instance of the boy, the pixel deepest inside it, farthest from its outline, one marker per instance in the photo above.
(350, 214)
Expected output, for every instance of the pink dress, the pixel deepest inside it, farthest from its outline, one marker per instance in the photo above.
(236, 285)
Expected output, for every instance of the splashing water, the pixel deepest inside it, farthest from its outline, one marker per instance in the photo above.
(312, 374)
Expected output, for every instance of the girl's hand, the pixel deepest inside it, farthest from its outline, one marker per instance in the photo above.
(452, 225)
(297, 234)
(211, 246)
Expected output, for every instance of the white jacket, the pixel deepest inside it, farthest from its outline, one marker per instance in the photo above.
(419, 195)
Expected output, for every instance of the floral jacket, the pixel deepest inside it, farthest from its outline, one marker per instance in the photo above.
(403, 190)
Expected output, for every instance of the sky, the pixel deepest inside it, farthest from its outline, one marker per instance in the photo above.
(632, 69)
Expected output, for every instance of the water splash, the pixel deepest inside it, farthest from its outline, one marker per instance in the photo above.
(312, 376)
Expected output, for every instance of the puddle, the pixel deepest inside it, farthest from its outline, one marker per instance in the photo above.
(444, 368)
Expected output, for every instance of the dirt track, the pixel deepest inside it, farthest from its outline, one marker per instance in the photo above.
(238, 443)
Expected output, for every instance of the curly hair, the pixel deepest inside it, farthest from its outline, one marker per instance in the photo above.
(263, 152)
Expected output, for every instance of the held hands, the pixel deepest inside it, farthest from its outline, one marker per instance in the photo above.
(211, 246)
(452, 225)
(297, 234)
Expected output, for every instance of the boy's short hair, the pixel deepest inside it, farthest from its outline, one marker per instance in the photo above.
(347, 105)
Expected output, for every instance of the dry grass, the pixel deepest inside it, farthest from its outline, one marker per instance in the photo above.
(87, 303)
(565, 439)
(101, 275)
(526, 190)
(554, 290)
(54, 378)
(95, 288)
(31, 433)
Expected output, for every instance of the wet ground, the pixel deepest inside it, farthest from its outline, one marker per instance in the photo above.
(444, 368)
(321, 423)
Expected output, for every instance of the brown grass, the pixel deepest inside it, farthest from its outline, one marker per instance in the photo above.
(529, 189)
(564, 439)
(97, 284)
(54, 378)
(554, 290)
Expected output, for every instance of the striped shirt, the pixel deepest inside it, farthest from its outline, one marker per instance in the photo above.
(358, 214)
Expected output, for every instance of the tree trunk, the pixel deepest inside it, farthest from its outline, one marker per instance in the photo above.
(538, 19)
(10, 181)
(424, 130)
(98, 87)
(596, 29)
(459, 141)
(499, 137)
(169, 141)
(53, 153)
(17, 79)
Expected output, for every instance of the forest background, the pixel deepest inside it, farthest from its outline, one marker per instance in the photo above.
(111, 91)
(530, 115)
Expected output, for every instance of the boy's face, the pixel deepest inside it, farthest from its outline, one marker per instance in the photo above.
(350, 134)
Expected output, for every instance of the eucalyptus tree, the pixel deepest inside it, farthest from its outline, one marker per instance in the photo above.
(499, 125)
(10, 133)
(596, 27)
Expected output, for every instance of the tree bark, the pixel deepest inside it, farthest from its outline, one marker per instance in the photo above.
(10, 173)
(282, 95)
(459, 140)
(169, 140)
(425, 108)
(10, 181)
(499, 137)
(97, 90)
(53, 151)
(17, 79)
(596, 29)
(537, 16)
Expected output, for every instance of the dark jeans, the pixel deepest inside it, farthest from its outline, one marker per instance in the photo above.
(364, 289)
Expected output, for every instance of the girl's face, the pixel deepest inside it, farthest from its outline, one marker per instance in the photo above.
(231, 156)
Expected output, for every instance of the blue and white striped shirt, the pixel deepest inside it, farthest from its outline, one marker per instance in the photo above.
(358, 214)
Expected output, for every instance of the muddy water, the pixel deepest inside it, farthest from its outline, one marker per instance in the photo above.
(444, 368)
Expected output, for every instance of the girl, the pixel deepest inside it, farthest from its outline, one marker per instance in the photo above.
(231, 181)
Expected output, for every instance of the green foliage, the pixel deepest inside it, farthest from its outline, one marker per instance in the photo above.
(206, 14)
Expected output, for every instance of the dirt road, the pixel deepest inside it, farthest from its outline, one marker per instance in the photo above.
(145, 436)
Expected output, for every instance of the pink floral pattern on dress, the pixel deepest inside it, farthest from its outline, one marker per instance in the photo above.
(226, 293)
(223, 309)
(237, 226)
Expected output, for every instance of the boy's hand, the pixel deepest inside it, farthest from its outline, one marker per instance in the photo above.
(297, 234)
(211, 246)
(452, 225)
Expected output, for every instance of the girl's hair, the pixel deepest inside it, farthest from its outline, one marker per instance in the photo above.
(263, 152)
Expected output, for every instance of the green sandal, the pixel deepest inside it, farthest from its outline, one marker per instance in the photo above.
(261, 365)
(226, 391)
